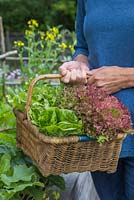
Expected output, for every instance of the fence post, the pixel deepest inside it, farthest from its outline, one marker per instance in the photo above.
(3, 62)
(2, 38)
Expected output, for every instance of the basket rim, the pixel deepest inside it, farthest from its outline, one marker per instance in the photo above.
(21, 116)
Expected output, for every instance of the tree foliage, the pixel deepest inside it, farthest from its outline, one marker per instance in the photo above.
(16, 13)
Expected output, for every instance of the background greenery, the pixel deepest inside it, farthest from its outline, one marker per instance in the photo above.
(16, 13)
(44, 44)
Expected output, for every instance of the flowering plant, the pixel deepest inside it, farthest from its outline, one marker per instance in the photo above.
(41, 51)
(103, 116)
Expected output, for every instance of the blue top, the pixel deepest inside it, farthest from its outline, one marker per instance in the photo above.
(105, 33)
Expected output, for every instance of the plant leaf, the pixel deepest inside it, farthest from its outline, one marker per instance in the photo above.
(20, 173)
(5, 163)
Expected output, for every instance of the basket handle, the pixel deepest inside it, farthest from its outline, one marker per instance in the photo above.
(30, 89)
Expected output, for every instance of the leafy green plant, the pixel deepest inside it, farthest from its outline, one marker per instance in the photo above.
(45, 112)
(7, 118)
(19, 178)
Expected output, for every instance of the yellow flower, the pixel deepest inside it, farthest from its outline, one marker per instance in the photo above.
(27, 32)
(71, 47)
(49, 36)
(33, 23)
(15, 42)
(18, 43)
(63, 45)
(29, 22)
(31, 26)
(55, 30)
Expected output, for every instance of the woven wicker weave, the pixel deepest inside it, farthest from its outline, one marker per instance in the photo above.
(54, 155)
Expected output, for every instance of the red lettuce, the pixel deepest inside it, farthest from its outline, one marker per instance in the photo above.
(101, 114)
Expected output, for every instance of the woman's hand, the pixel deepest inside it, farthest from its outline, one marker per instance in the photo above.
(110, 78)
(74, 71)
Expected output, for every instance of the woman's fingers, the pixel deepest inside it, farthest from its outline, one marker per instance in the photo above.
(66, 78)
(73, 75)
(81, 76)
(84, 76)
(74, 71)
(78, 76)
(63, 69)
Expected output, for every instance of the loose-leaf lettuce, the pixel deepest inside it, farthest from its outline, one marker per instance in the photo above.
(54, 121)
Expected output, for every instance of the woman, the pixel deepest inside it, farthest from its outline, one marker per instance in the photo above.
(105, 51)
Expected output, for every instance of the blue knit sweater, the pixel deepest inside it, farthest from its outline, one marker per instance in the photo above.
(105, 33)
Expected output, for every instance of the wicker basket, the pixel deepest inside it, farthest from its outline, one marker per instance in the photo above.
(54, 155)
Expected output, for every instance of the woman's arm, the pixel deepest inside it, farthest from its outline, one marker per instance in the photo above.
(76, 70)
(81, 46)
(128, 77)
(112, 78)
(82, 58)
